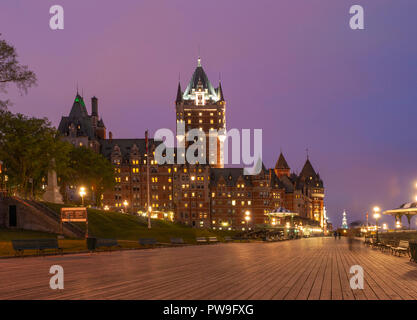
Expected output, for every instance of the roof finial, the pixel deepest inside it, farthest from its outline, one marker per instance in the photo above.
(77, 88)
(199, 62)
(307, 152)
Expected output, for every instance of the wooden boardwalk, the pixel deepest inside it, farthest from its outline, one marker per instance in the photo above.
(316, 268)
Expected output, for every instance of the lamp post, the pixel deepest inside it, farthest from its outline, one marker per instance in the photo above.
(125, 203)
(82, 194)
(247, 218)
(377, 215)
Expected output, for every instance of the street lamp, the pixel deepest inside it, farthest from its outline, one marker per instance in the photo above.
(247, 218)
(125, 203)
(82, 194)
(377, 215)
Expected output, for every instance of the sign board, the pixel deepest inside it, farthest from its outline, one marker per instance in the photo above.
(73, 214)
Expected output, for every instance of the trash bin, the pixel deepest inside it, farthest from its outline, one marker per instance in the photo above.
(91, 244)
(413, 251)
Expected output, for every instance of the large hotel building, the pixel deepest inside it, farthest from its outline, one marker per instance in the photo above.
(200, 195)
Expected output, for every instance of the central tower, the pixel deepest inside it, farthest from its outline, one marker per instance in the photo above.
(202, 107)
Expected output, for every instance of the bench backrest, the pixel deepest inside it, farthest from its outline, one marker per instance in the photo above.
(212, 238)
(48, 244)
(228, 238)
(147, 241)
(27, 244)
(403, 244)
(177, 241)
(106, 242)
(201, 239)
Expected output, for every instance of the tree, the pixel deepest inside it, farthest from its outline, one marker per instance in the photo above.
(90, 169)
(28, 147)
(11, 71)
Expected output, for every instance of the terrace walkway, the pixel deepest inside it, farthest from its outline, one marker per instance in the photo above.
(316, 268)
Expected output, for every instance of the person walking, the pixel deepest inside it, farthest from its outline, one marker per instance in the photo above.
(339, 235)
(335, 235)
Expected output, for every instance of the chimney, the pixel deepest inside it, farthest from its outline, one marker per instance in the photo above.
(110, 136)
(94, 106)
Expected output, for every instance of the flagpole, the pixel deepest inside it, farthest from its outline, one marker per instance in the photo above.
(147, 179)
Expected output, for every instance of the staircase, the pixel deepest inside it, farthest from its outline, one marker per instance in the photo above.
(40, 207)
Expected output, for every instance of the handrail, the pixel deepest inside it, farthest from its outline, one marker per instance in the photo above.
(51, 213)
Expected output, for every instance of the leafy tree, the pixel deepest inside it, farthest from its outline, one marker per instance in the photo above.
(29, 147)
(90, 169)
(11, 71)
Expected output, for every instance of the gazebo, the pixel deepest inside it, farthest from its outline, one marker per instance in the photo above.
(280, 213)
(407, 209)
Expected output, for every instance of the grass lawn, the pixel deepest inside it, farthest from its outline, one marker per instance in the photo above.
(104, 224)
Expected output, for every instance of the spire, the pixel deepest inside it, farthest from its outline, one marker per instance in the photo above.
(78, 109)
(220, 90)
(281, 163)
(199, 77)
(308, 170)
(179, 93)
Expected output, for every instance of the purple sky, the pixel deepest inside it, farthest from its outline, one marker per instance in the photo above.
(291, 67)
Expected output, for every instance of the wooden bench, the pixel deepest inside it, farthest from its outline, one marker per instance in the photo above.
(403, 247)
(177, 241)
(213, 239)
(35, 244)
(107, 243)
(148, 242)
(45, 244)
(228, 239)
(201, 239)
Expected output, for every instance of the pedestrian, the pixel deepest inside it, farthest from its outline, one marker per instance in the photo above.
(339, 235)
(335, 235)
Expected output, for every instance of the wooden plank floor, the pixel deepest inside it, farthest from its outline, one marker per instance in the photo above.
(316, 268)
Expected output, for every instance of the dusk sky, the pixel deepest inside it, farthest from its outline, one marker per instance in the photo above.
(291, 67)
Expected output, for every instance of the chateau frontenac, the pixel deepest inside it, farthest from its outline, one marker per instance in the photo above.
(200, 195)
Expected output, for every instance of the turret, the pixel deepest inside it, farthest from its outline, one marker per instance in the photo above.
(281, 167)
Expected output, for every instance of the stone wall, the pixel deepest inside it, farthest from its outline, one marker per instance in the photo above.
(29, 218)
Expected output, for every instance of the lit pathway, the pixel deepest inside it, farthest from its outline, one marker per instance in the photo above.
(316, 268)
